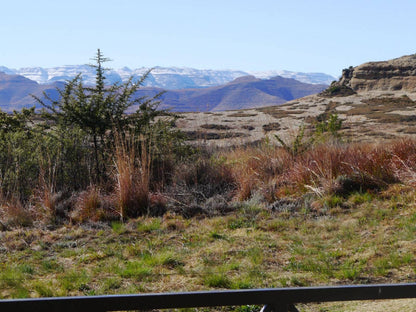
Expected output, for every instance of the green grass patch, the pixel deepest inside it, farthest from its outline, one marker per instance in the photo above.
(217, 281)
(149, 225)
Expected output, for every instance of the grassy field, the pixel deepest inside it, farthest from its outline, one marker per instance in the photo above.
(361, 239)
(316, 210)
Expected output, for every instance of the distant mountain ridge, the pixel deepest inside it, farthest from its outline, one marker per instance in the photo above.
(170, 78)
(243, 92)
(16, 91)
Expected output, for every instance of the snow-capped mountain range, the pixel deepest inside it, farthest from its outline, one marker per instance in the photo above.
(163, 77)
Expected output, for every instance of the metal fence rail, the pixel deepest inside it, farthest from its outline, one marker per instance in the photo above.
(273, 299)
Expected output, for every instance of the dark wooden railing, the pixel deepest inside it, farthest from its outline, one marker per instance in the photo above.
(272, 299)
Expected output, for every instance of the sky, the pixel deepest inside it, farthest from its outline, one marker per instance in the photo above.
(251, 35)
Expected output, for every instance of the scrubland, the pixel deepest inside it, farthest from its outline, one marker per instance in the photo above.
(251, 216)
(96, 201)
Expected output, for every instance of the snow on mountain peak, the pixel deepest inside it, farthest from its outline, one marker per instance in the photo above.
(163, 77)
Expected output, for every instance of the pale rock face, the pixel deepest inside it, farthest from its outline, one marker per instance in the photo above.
(392, 75)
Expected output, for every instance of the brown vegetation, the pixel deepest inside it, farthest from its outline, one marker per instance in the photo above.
(223, 176)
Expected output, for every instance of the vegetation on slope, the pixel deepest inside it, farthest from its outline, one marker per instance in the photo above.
(131, 208)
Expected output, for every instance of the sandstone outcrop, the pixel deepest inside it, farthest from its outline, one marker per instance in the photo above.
(392, 75)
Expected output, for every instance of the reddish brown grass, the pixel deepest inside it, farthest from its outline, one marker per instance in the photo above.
(88, 206)
(325, 168)
(256, 168)
(133, 180)
(15, 214)
(235, 174)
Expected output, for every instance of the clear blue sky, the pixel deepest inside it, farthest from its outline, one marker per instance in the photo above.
(298, 35)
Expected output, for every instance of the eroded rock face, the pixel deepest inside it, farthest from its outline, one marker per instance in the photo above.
(392, 75)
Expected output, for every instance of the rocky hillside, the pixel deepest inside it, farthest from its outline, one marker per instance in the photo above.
(392, 75)
(375, 101)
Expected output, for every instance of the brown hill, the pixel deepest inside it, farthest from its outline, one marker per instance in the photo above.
(242, 93)
(15, 92)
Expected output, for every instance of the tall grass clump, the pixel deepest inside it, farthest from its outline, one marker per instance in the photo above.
(203, 176)
(90, 206)
(15, 214)
(326, 168)
(133, 178)
(344, 168)
(404, 160)
(257, 168)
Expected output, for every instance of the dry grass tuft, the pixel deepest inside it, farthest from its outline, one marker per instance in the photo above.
(256, 168)
(15, 214)
(324, 169)
(92, 205)
(133, 180)
(204, 177)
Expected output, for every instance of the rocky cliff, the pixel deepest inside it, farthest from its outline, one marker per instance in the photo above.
(392, 75)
